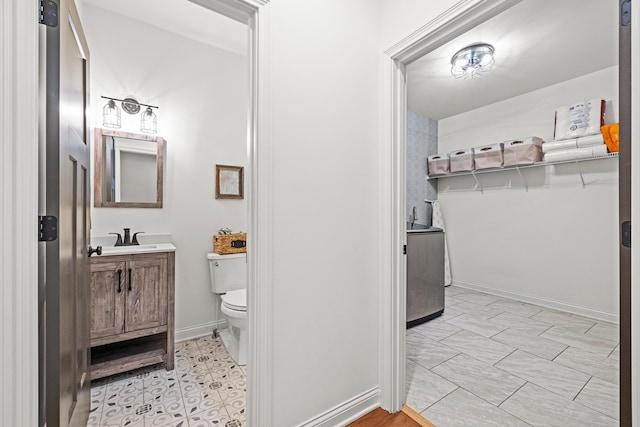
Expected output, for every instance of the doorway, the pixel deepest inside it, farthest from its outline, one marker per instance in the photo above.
(200, 84)
(466, 18)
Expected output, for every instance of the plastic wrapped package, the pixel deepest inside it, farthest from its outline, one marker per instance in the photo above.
(565, 144)
(438, 164)
(523, 151)
(488, 156)
(576, 153)
(462, 160)
(580, 119)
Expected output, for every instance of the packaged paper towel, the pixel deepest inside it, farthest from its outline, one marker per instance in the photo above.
(580, 119)
(576, 153)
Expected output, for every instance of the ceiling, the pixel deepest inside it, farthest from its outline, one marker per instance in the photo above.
(184, 18)
(537, 43)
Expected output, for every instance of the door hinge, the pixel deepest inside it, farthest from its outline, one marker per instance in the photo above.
(404, 249)
(625, 13)
(47, 228)
(49, 13)
(626, 234)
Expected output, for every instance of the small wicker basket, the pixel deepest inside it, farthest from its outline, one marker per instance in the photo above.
(230, 243)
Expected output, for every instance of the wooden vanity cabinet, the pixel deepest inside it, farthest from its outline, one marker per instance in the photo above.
(132, 306)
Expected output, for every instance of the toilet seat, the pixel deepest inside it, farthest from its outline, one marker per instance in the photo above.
(235, 300)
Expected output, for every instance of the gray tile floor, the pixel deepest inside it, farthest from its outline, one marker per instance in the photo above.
(492, 361)
(206, 388)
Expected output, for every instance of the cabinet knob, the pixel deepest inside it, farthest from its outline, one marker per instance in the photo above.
(216, 264)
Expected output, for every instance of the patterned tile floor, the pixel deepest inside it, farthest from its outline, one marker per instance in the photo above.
(492, 361)
(206, 388)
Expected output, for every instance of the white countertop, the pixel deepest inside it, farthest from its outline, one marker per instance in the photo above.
(137, 249)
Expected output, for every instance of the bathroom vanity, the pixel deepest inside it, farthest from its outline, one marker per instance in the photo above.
(132, 308)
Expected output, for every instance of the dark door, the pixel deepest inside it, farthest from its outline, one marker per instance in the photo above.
(624, 87)
(67, 382)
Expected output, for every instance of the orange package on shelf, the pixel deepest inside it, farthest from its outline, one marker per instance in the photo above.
(611, 134)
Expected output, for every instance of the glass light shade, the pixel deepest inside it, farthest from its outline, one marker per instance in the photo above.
(111, 115)
(149, 121)
(472, 61)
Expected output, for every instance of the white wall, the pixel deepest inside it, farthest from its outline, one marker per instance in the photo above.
(202, 95)
(324, 84)
(557, 243)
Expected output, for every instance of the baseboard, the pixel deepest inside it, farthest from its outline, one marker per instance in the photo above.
(348, 411)
(192, 332)
(582, 311)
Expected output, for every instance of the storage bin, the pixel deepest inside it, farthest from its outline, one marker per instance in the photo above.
(488, 156)
(230, 243)
(461, 160)
(522, 151)
(438, 164)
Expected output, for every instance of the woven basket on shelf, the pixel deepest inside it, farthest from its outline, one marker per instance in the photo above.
(230, 243)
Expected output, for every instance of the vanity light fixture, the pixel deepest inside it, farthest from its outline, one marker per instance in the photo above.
(149, 121)
(111, 114)
(472, 60)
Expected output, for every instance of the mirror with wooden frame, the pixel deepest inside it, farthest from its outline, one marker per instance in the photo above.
(128, 170)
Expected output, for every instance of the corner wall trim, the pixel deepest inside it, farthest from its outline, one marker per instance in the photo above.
(348, 411)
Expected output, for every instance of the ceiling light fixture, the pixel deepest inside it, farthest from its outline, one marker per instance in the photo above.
(111, 114)
(472, 61)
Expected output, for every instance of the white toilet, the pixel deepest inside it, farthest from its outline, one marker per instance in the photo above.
(229, 280)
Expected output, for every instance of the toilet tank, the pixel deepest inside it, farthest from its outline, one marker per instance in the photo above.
(227, 272)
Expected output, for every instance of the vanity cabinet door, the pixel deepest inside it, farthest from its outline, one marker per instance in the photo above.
(146, 300)
(107, 298)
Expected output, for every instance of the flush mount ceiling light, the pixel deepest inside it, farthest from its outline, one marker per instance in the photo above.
(472, 61)
(111, 114)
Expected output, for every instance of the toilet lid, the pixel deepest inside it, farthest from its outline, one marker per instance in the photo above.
(235, 300)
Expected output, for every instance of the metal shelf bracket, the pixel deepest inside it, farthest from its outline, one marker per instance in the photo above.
(478, 185)
(526, 184)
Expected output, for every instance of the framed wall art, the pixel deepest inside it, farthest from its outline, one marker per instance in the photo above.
(229, 182)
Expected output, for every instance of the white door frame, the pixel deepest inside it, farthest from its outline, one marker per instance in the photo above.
(19, 209)
(460, 18)
(18, 213)
(255, 13)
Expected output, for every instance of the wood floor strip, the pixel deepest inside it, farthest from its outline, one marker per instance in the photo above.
(417, 417)
(381, 418)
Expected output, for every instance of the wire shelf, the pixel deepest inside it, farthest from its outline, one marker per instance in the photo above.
(518, 168)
